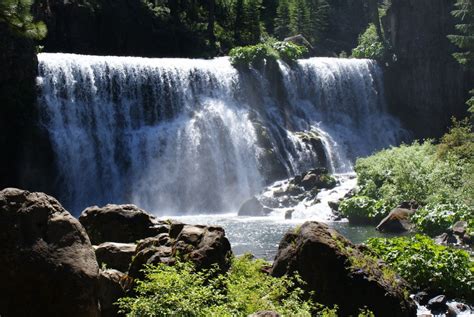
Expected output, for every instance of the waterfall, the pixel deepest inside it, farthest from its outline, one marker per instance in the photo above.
(185, 136)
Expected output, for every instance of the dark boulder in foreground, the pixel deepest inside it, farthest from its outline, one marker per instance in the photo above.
(339, 273)
(48, 266)
(112, 286)
(119, 223)
(204, 246)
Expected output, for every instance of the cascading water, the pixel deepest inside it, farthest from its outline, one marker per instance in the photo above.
(182, 136)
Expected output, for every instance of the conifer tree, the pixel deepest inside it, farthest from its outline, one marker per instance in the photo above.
(282, 20)
(318, 16)
(17, 15)
(299, 17)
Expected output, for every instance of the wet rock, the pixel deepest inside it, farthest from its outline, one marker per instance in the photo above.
(115, 255)
(203, 245)
(289, 213)
(48, 265)
(438, 304)
(119, 223)
(315, 178)
(456, 235)
(456, 308)
(460, 228)
(252, 207)
(334, 205)
(339, 273)
(112, 287)
(422, 298)
(397, 221)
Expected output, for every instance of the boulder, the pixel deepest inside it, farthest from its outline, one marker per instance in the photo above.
(339, 273)
(48, 265)
(315, 178)
(112, 287)
(438, 304)
(203, 245)
(397, 221)
(119, 223)
(115, 255)
(252, 207)
(289, 213)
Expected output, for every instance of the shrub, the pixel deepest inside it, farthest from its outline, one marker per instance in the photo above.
(181, 291)
(362, 209)
(271, 50)
(370, 46)
(436, 218)
(427, 265)
(289, 51)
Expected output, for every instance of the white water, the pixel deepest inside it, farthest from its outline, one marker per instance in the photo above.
(180, 136)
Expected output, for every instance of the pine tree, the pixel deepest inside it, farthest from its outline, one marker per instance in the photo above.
(282, 20)
(299, 17)
(16, 14)
(318, 19)
(252, 21)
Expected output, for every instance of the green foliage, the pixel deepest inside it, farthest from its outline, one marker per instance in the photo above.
(459, 141)
(370, 45)
(255, 54)
(427, 265)
(181, 291)
(282, 20)
(288, 51)
(362, 209)
(439, 178)
(16, 14)
(464, 39)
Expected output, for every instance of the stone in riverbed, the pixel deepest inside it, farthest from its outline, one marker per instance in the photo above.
(119, 223)
(252, 207)
(397, 221)
(48, 266)
(339, 273)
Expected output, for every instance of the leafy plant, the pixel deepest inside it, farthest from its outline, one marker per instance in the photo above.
(362, 209)
(427, 265)
(370, 45)
(181, 291)
(271, 50)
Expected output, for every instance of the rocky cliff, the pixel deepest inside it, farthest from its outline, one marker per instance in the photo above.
(25, 150)
(425, 84)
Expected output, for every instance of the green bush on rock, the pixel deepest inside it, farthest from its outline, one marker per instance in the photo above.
(254, 54)
(370, 46)
(181, 291)
(427, 265)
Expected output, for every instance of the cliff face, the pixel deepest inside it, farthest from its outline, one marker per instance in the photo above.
(425, 85)
(26, 153)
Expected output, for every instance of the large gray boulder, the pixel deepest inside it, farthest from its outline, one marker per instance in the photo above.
(113, 285)
(119, 223)
(48, 266)
(339, 273)
(205, 246)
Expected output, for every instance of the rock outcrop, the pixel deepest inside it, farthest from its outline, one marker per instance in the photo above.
(397, 221)
(425, 85)
(119, 223)
(112, 286)
(339, 273)
(48, 264)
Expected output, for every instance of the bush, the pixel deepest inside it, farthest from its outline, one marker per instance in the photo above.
(362, 209)
(289, 51)
(181, 291)
(271, 50)
(370, 46)
(427, 265)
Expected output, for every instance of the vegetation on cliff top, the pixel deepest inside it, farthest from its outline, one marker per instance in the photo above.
(270, 50)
